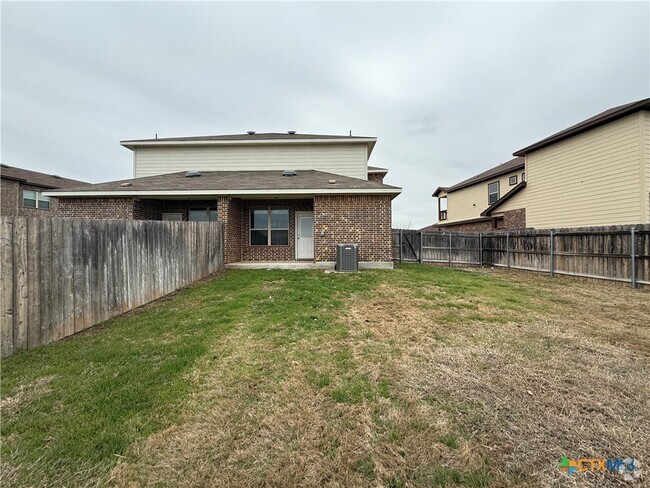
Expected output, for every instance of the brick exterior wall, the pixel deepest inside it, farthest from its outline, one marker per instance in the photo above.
(357, 219)
(511, 219)
(147, 210)
(514, 219)
(11, 200)
(378, 177)
(360, 219)
(96, 208)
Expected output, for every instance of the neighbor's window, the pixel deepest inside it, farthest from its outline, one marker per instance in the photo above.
(512, 180)
(35, 199)
(493, 192)
(203, 214)
(269, 226)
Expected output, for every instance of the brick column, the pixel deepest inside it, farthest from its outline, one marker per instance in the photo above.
(229, 211)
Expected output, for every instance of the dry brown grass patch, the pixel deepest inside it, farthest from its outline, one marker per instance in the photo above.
(524, 392)
(25, 394)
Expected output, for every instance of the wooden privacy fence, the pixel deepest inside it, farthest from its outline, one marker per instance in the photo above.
(61, 276)
(618, 253)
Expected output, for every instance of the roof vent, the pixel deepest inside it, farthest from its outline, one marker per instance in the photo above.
(56, 176)
(332, 182)
(291, 132)
(125, 184)
(289, 172)
(192, 174)
(5, 165)
(250, 132)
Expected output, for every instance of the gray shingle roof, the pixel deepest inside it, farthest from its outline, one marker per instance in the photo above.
(37, 179)
(266, 136)
(587, 124)
(507, 167)
(238, 180)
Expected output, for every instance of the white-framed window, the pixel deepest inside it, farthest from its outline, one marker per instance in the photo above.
(493, 192)
(35, 199)
(512, 180)
(269, 226)
(202, 214)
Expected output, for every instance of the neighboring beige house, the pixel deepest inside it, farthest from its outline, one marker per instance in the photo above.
(594, 173)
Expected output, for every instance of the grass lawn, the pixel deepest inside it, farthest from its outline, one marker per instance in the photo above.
(422, 376)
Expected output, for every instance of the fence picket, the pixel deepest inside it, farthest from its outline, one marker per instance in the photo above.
(61, 276)
(618, 253)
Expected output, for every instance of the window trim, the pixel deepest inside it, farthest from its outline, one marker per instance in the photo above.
(510, 183)
(523, 176)
(497, 193)
(268, 228)
(38, 197)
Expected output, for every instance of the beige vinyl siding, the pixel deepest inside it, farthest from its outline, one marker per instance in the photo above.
(646, 169)
(344, 159)
(469, 202)
(593, 178)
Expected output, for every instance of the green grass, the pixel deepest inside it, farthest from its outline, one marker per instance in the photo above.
(128, 377)
(260, 348)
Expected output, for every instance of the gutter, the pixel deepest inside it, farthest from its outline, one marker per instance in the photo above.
(171, 193)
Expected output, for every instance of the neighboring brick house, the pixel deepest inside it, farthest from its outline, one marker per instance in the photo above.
(282, 197)
(21, 192)
(594, 173)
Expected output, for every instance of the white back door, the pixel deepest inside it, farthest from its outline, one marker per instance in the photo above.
(304, 235)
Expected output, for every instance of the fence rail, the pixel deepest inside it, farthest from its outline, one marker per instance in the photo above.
(61, 276)
(618, 253)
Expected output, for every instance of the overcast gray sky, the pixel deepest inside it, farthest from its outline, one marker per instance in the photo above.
(449, 89)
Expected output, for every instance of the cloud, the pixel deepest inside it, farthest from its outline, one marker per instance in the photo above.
(449, 89)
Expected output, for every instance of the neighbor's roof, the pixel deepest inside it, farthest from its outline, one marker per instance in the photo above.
(37, 179)
(588, 124)
(233, 183)
(504, 199)
(512, 165)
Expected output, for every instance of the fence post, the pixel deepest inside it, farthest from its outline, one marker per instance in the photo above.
(480, 249)
(508, 249)
(400, 245)
(450, 249)
(552, 260)
(633, 257)
(420, 256)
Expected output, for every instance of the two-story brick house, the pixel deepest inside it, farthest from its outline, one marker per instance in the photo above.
(282, 196)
